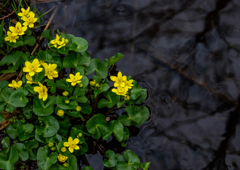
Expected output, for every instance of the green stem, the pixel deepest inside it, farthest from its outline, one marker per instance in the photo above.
(109, 111)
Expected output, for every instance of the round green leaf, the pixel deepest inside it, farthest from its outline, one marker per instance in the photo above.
(115, 58)
(44, 160)
(5, 142)
(7, 161)
(95, 125)
(61, 103)
(111, 161)
(18, 97)
(79, 44)
(92, 67)
(102, 70)
(50, 128)
(29, 40)
(23, 153)
(11, 131)
(44, 108)
(25, 131)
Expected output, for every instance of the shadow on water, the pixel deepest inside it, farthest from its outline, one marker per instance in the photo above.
(186, 53)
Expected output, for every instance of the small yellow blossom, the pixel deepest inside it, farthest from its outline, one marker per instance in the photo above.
(55, 41)
(18, 29)
(60, 113)
(24, 12)
(63, 149)
(119, 80)
(72, 144)
(50, 144)
(65, 93)
(50, 71)
(62, 158)
(127, 97)
(93, 83)
(29, 79)
(65, 164)
(78, 108)
(15, 84)
(74, 79)
(122, 91)
(11, 37)
(33, 67)
(42, 90)
(129, 84)
(29, 20)
(61, 43)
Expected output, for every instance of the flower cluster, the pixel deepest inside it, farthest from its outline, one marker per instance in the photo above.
(59, 42)
(29, 19)
(34, 68)
(122, 84)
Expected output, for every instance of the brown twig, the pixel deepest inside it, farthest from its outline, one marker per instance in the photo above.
(46, 27)
(7, 15)
(85, 158)
(90, 92)
(114, 107)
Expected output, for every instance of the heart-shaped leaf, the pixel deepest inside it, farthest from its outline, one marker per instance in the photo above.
(50, 128)
(44, 108)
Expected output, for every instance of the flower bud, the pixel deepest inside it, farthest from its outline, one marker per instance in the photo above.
(83, 119)
(127, 97)
(53, 148)
(66, 41)
(107, 119)
(63, 149)
(67, 101)
(65, 164)
(60, 112)
(97, 85)
(93, 83)
(65, 93)
(50, 144)
(81, 85)
(78, 108)
(80, 135)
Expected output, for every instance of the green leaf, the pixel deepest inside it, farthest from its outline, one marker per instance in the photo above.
(63, 84)
(118, 130)
(101, 70)
(74, 60)
(12, 60)
(30, 146)
(27, 112)
(25, 131)
(45, 56)
(103, 87)
(29, 40)
(18, 97)
(74, 113)
(50, 128)
(7, 160)
(145, 166)
(45, 160)
(52, 84)
(22, 152)
(11, 131)
(96, 124)
(112, 99)
(15, 45)
(44, 108)
(87, 168)
(111, 161)
(143, 110)
(78, 44)
(132, 158)
(47, 34)
(1, 109)
(39, 76)
(92, 67)
(24, 57)
(5, 142)
(61, 103)
(124, 120)
(85, 81)
(126, 134)
(3, 84)
(135, 91)
(86, 108)
(115, 58)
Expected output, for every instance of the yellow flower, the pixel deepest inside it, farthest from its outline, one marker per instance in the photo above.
(42, 91)
(74, 79)
(119, 80)
(11, 37)
(33, 67)
(72, 144)
(60, 113)
(18, 29)
(61, 43)
(29, 78)
(127, 97)
(65, 93)
(50, 71)
(78, 108)
(129, 84)
(29, 20)
(24, 12)
(55, 41)
(15, 84)
(63, 149)
(62, 158)
(121, 91)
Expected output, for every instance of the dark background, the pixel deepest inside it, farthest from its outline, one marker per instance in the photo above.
(186, 53)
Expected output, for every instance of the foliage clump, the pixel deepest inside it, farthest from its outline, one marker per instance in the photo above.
(54, 115)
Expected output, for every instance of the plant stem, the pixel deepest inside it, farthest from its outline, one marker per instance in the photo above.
(85, 158)
(114, 107)
(90, 92)
(95, 104)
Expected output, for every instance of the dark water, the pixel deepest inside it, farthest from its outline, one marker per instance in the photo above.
(186, 53)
